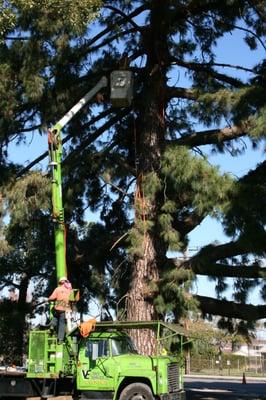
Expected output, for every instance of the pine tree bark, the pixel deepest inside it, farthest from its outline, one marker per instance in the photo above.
(139, 301)
(150, 138)
(21, 316)
(145, 269)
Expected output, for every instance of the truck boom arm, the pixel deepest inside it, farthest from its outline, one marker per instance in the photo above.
(55, 152)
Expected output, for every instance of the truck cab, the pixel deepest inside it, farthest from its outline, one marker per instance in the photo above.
(109, 363)
(104, 365)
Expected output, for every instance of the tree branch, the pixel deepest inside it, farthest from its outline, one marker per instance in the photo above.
(212, 136)
(229, 66)
(84, 49)
(17, 37)
(207, 69)
(258, 12)
(187, 223)
(213, 252)
(111, 39)
(126, 18)
(229, 309)
(181, 93)
(30, 129)
(204, 262)
(86, 142)
(65, 140)
(244, 30)
(133, 14)
(224, 270)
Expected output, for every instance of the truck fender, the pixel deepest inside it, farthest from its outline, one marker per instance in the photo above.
(139, 389)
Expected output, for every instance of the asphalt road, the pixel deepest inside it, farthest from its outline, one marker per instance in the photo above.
(215, 388)
(199, 388)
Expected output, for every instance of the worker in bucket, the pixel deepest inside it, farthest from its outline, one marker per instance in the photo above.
(60, 296)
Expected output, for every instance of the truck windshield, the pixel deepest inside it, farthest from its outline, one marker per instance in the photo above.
(122, 345)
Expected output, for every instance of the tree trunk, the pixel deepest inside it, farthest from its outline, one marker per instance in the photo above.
(139, 301)
(187, 362)
(145, 270)
(150, 134)
(145, 264)
(21, 316)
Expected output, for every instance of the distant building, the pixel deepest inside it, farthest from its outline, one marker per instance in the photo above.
(255, 354)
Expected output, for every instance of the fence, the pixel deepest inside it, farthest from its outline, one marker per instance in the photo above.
(223, 365)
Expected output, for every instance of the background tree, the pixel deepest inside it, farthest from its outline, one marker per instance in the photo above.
(30, 36)
(145, 167)
(26, 259)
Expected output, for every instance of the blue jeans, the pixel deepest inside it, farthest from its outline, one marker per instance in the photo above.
(58, 322)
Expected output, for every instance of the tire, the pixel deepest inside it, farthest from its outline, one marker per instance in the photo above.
(136, 391)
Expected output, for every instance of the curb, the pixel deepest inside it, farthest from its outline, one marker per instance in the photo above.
(227, 377)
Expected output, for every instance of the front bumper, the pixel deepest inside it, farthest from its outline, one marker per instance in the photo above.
(181, 395)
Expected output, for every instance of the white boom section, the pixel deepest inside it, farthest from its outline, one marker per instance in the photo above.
(75, 109)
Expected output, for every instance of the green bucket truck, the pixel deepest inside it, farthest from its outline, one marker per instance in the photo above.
(104, 365)
(101, 364)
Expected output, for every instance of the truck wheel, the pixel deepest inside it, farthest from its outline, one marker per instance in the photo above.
(136, 391)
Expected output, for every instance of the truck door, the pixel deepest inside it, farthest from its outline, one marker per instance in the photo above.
(96, 367)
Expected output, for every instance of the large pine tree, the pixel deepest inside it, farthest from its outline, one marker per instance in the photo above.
(145, 167)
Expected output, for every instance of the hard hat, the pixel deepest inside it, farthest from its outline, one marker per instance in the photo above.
(63, 279)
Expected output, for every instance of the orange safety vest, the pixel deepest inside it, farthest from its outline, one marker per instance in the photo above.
(61, 297)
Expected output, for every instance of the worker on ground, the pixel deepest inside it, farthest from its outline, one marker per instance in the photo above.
(62, 304)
